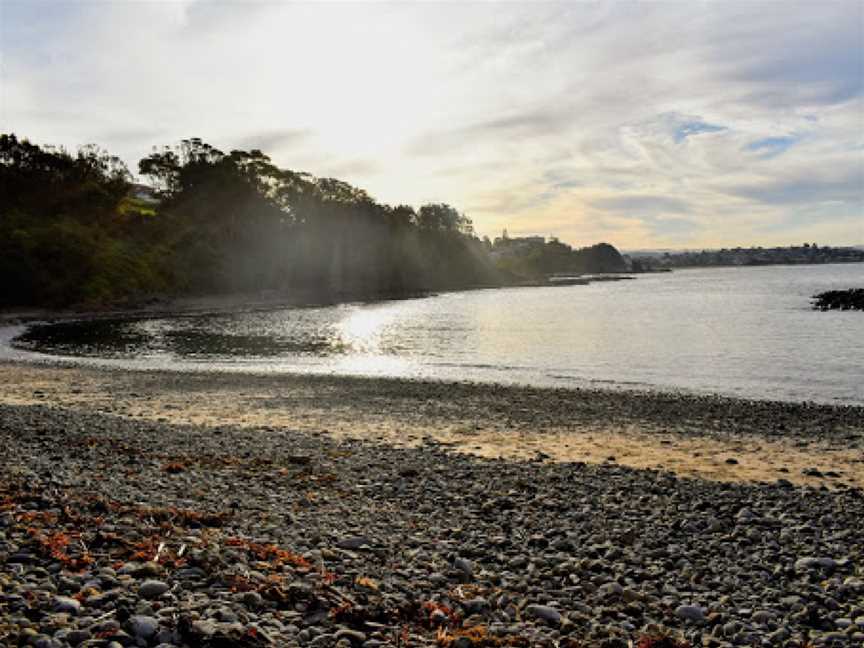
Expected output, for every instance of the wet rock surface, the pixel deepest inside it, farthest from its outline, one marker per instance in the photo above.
(852, 299)
(118, 532)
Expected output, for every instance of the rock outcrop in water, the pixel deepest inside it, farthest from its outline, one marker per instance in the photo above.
(852, 299)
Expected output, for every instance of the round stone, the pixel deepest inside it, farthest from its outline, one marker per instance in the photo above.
(152, 588)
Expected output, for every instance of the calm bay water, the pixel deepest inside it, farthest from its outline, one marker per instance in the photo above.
(738, 331)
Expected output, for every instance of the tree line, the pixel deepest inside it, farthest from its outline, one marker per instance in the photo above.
(75, 230)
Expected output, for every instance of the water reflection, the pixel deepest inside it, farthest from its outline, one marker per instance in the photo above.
(354, 330)
(107, 338)
(363, 330)
(742, 331)
(193, 338)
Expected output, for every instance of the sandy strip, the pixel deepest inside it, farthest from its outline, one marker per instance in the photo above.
(677, 433)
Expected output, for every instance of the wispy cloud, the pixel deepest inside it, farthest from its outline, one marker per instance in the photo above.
(808, 188)
(643, 204)
(275, 141)
(352, 169)
(645, 124)
(521, 126)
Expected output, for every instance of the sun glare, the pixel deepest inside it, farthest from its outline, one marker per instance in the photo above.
(362, 331)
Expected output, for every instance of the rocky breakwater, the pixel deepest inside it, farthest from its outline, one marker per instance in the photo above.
(120, 533)
(852, 299)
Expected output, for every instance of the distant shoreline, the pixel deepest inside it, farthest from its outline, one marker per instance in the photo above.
(191, 306)
(748, 257)
(263, 301)
(164, 306)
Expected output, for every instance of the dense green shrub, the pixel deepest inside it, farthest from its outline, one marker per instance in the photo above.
(75, 231)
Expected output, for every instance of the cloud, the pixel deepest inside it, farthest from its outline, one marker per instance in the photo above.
(215, 14)
(273, 141)
(810, 188)
(815, 58)
(515, 201)
(672, 229)
(526, 125)
(694, 124)
(643, 205)
(352, 169)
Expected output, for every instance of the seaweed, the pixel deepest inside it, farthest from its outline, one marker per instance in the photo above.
(478, 636)
(661, 641)
(271, 553)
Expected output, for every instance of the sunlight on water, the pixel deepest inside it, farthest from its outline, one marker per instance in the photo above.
(739, 331)
(362, 331)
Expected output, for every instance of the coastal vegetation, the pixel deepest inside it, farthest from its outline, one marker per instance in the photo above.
(534, 256)
(76, 230)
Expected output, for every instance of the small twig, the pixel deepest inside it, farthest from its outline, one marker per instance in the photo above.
(341, 595)
(104, 616)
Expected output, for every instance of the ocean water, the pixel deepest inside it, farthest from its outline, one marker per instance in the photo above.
(746, 332)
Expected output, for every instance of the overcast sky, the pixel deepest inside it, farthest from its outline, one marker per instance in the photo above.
(680, 124)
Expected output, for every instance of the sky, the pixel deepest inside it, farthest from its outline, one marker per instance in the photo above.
(647, 125)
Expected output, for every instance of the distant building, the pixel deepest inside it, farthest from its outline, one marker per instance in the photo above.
(804, 254)
(531, 240)
(518, 241)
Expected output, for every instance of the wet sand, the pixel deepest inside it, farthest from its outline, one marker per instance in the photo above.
(713, 438)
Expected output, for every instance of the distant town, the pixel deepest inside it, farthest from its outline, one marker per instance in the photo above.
(807, 253)
(550, 255)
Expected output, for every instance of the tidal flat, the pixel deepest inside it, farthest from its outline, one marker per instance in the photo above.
(160, 509)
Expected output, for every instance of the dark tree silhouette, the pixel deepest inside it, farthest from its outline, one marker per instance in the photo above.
(72, 231)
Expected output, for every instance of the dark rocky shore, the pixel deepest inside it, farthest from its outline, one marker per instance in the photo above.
(852, 299)
(126, 533)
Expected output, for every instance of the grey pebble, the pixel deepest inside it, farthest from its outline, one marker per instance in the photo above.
(143, 627)
(544, 612)
(690, 613)
(151, 589)
(66, 605)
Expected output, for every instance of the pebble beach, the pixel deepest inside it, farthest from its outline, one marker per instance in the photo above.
(118, 529)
